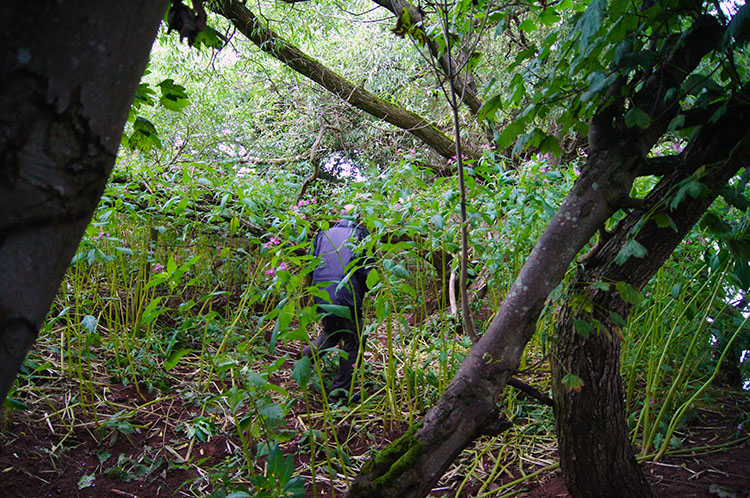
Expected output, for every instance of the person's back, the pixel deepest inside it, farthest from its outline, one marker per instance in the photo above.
(335, 248)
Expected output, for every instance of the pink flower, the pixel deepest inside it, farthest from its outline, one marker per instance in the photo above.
(157, 268)
(273, 241)
(282, 266)
(270, 273)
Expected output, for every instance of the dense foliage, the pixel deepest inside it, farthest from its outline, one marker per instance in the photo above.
(190, 282)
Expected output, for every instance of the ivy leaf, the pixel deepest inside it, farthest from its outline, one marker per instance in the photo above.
(663, 220)
(583, 328)
(630, 248)
(173, 96)
(572, 383)
(528, 25)
(144, 136)
(692, 188)
(714, 224)
(628, 293)
(636, 117)
(617, 319)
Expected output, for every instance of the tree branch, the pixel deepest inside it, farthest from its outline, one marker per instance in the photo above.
(277, 47)
(314, 162)
(530, 391)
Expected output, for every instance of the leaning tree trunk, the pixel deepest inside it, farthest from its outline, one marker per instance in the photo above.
(413, 464)
(595, 452)
(356, 95)
(68, 73)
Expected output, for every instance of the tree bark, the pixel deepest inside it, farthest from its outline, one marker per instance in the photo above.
(468, 405)
(271, 43)
(595, 452)
(466, 93)
(68, 75)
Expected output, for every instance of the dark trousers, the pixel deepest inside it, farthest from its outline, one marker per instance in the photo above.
(335, 330)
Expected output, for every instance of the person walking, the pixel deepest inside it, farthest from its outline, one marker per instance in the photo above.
(335, 248)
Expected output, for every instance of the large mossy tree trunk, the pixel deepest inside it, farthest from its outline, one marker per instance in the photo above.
(68, 74)
(596, 456)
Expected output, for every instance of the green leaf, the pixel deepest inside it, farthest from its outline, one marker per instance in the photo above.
(144, 136)
(690, 187)
(739, 248)
(714, 224)
(86, 481)
(636, 117)
(742, 272)
(549, 16)
(337, 309)
(210, 38)
(603, 286)
(676, 123)
(437, 221)
(509, 134)
(735, 199)
(630, 248)
(663, 220)
(372, 278)
(528, 25)
(617, 319)
(589, 23)
(739, 27)
(302, 371)
(175, 358)
(173, 95)
(89, 323)
(583, 328)
(319, 293)
(14, 404)
(572, 383)
(400, 271)
(596, 82)
(628, 293)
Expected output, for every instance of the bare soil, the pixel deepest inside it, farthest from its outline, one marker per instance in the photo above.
(41, 456)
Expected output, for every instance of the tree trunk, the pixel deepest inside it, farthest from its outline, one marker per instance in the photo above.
(467, 408)
(68, 74)
(271, 43)
(595, 452)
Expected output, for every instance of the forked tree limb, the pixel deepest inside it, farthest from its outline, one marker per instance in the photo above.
(314, 161)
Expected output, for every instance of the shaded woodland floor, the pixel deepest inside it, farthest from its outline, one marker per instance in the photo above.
(40, 456)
